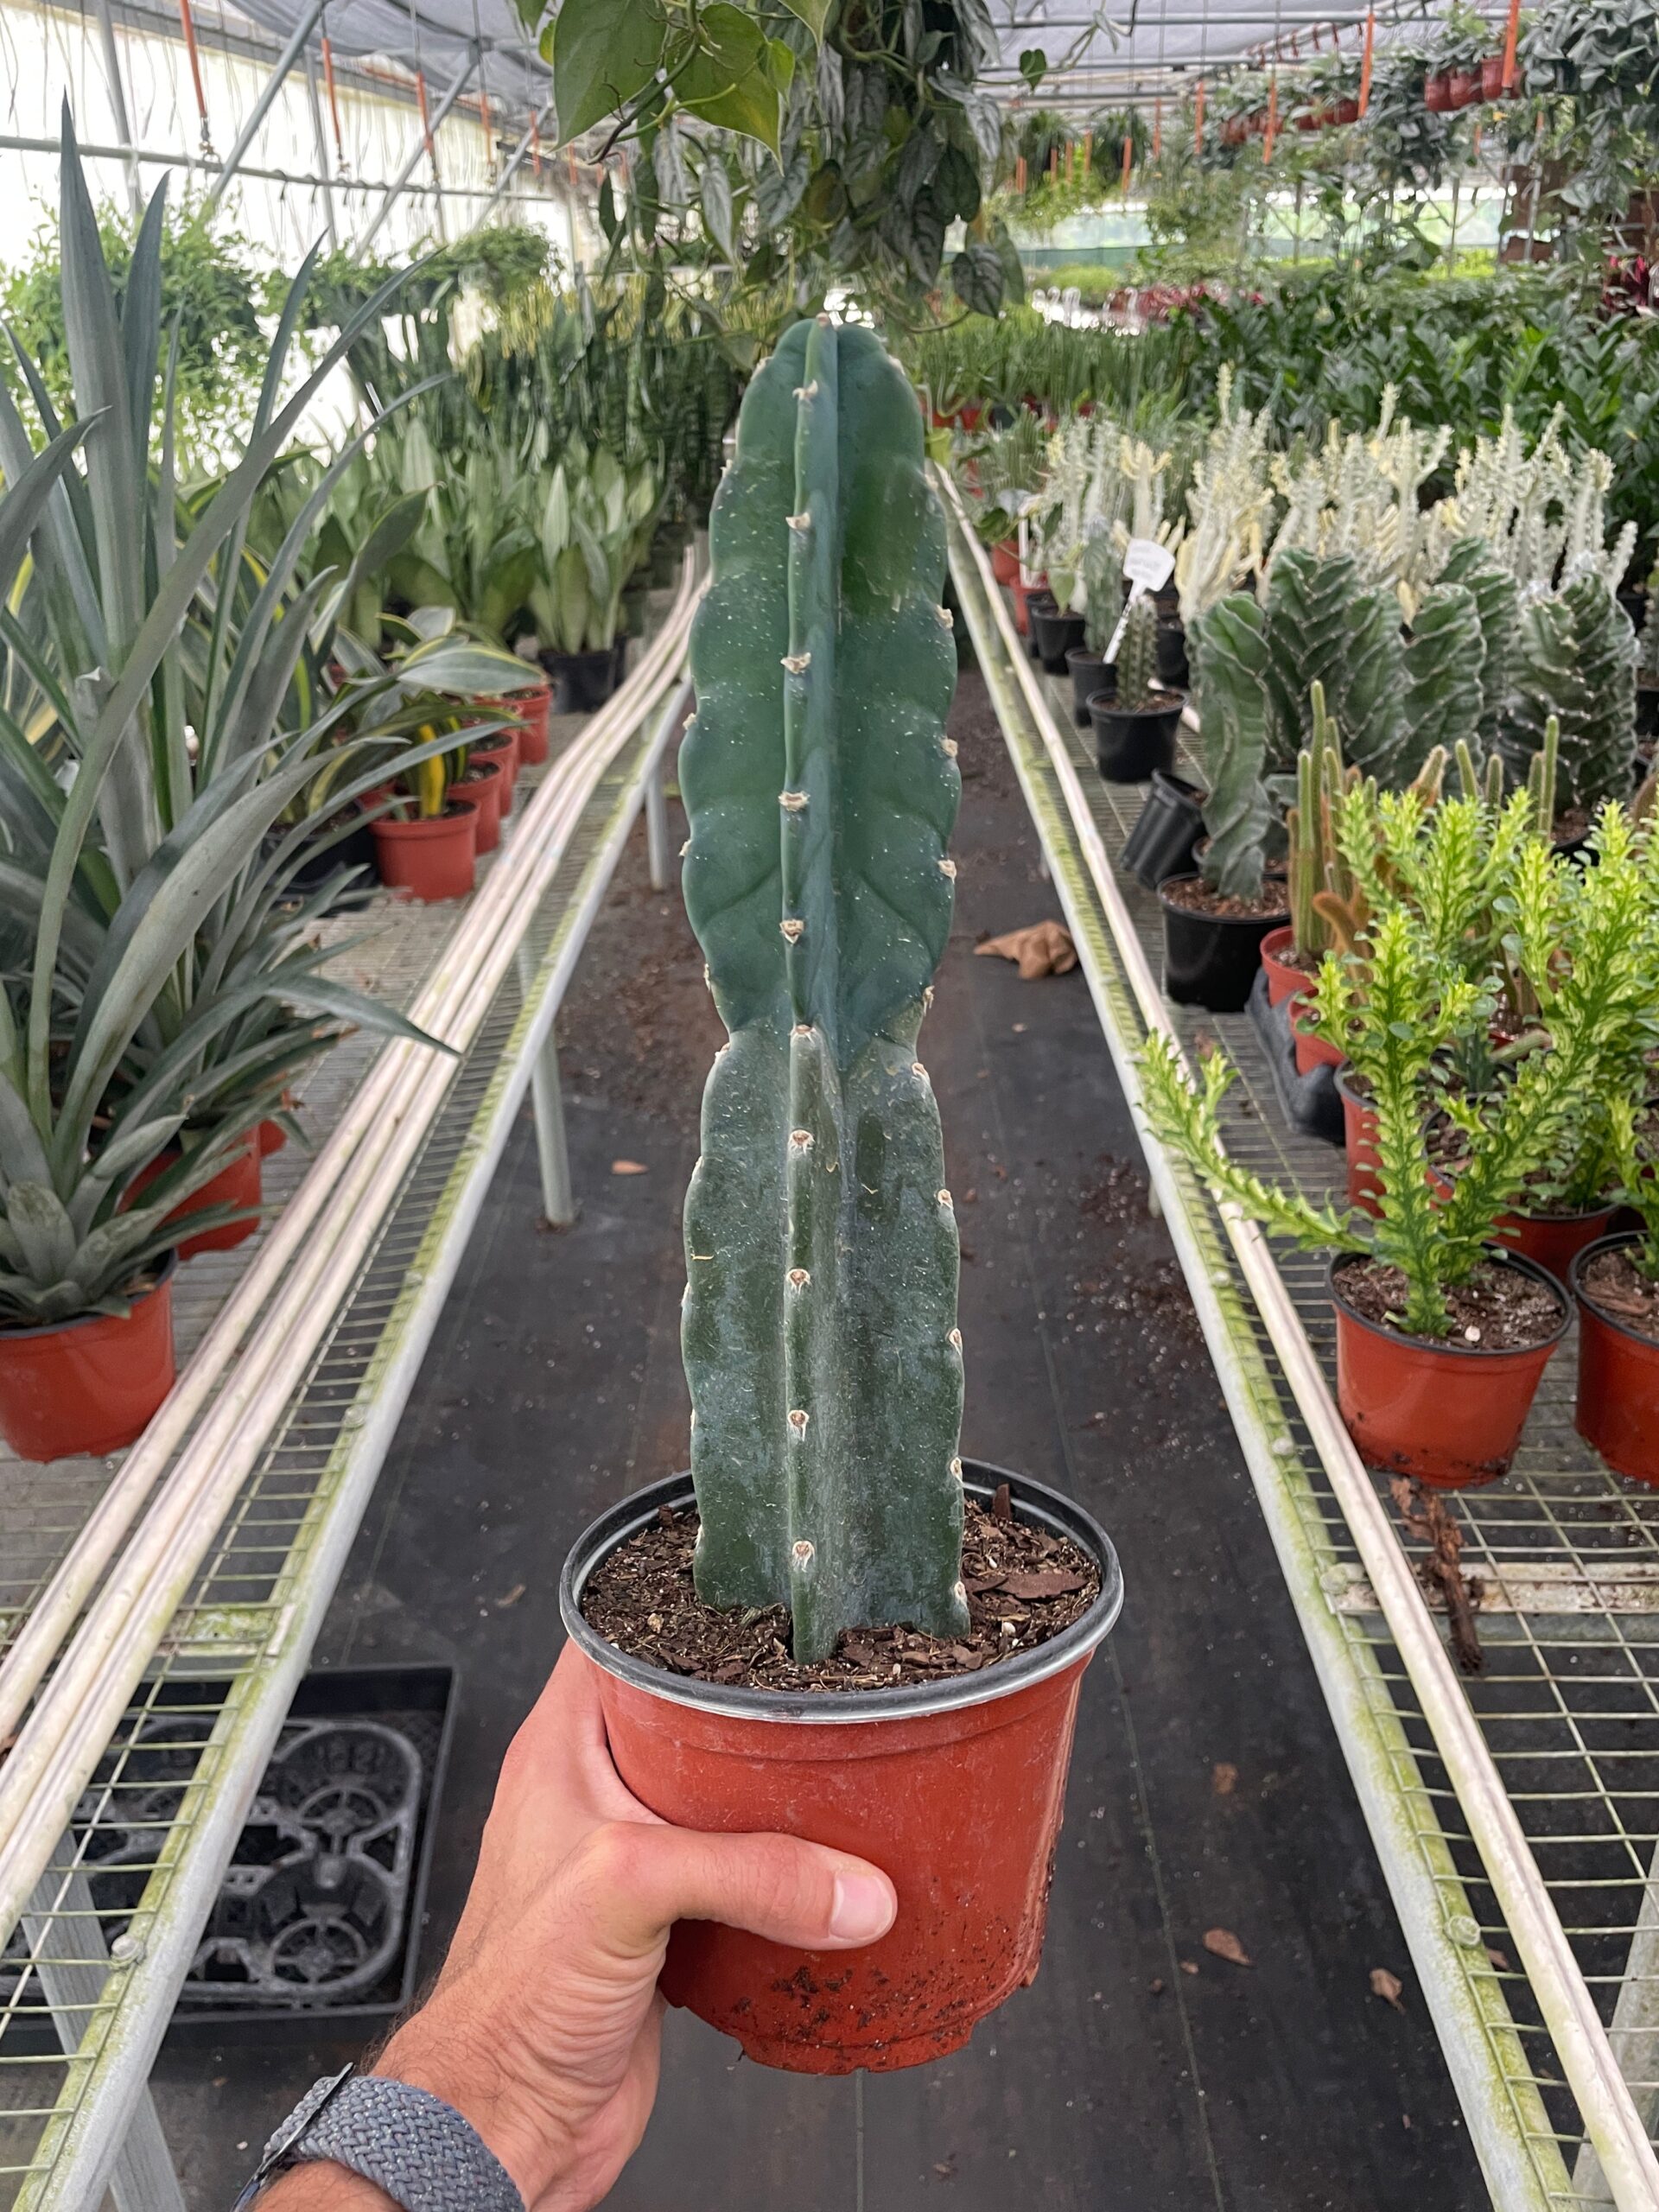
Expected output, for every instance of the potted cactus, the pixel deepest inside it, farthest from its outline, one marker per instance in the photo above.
(1089, 669)
(1216, 919)
(809, 1656)
(1135, 724)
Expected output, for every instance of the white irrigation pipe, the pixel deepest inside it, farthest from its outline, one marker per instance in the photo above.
(70, 1726)
(1592, 2072)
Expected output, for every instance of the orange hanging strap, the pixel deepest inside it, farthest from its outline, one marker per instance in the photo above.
(1158, 127)
(1088, 153)
(426, 120)
(1511, 37)
(1128, 158)
(1198, 120)
(1365, 59)
(1020, 174)
(334, 100)
(188, 23)
(489, 132)
(1272, 131)
(535, 145)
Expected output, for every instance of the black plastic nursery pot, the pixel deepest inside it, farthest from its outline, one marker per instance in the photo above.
(1448, 1413)
(1173, 668)
(1210, 960)
(1090, 674)
(1166, 830)
(954, 1789)
(582, 682)
(1058, 630)
(1132, 744)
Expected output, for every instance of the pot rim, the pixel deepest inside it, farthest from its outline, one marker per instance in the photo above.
(1580, 1260)
(1504, 1257)
(587, 654)
(14, 1336)
(1178, 786)
(457, 809)
(1081, 653)
(1276, 920)
(844, 1708)
(1106, 703)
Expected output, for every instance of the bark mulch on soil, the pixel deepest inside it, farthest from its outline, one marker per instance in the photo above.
(1024, 1586)
(1498, 1309)
(1613, 1286)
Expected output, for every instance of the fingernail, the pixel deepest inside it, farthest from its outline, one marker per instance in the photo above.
(862, 1909)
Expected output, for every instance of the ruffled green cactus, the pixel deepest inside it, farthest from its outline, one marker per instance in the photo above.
(1575, 658)
(1444, 658)
(1326, 624)
(1497, 604)
(1137, 656)
(819, 1328)
(1232, 675)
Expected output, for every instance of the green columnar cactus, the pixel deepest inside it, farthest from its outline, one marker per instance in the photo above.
(1325, 625)
(819, 1329)
(1137, 656)
(1444, 658)
(1497, 603)
(1316, 864)
(1232, 670)
(1575, 659)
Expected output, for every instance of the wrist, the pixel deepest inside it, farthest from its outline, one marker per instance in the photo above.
(431, 2053)
(322, 2187)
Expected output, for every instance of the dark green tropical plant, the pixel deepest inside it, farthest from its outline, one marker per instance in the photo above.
(820, 1325)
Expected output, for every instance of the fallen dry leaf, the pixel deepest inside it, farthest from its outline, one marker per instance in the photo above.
(512, 1596)
(1047, 1582)
(1223, 1777)
(1045, 948)
(1156, 1984)
(1226, 1945)
(1499, 1959)
(1387, 1987)
(629, 1167)
(1189, 1965)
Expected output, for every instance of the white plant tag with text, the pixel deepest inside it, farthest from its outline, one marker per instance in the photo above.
(1148, 564)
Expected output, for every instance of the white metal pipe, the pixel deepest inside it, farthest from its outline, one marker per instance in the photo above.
(1603, 2098)
(429, 136)
(118, 103)
(276, 77)
(488, 921)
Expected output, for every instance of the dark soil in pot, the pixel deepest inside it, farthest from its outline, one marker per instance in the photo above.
(1212, 945)
(1090, 674)
(1166, 830)
(1058, 630)
(1133, 743)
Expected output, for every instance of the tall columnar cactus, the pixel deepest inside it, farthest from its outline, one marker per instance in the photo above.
(1444, 658)
(1232, 669)
(819, 1328)
(1316, 868)
(1137, 656)
(1575, 658)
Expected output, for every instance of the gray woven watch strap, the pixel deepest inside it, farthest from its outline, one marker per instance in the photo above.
(406, 2141)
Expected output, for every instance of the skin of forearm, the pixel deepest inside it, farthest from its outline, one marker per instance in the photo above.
(323, 2188)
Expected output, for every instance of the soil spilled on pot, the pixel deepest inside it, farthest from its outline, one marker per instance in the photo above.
(1024, 1586)
(1498, 1309)
(1614, 1287)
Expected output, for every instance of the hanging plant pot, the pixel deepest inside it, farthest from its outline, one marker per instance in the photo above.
(1131, 743)
(1618, 1411)
(1212, 948)
(1437, 95)
(1341, 112)
(89, 1385)
(236, 1184)
(1173, 669)
(484, 784)
(1167, 832)
(1464, 88)
(1492, 78)
(1005, 562)
(582, 682)
(1058, 631)
(954, 1789)
(500, 752)
(1449, 1413)
(431, 860)
(1090, 674)
(1359, 1144)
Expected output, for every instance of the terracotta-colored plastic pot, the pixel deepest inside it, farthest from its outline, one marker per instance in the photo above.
(1553, 1241)
(1341, 112)
(1618, 1380)
(431, 860)
(1005, 562)
(236, 1184)
(1312, 1051)
(1492, 78)
(503, 750)
(271, 1136)
(1021, 592)
(1437, 95)
(486, 786)
(954, 1789)
(91, 1384)
(1451, 1414)
(532, 709)
(1359, 1142)
(1464, 87)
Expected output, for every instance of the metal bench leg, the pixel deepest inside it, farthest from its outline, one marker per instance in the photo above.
(657, 826)
(65, 1940)
(547, 1104)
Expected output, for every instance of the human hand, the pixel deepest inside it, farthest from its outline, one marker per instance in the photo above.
(544, 2026)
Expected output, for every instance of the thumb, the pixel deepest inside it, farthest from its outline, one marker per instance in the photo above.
(633, 1881)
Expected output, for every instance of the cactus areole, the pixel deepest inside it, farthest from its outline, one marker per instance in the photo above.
(819, 1329)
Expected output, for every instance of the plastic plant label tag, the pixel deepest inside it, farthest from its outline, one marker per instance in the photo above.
(1148, 564)
(1116, 637)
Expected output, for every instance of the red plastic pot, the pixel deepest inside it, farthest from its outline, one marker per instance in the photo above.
(1359, 1142)
(503, 751)
(236, 1184)
(1618, 1410)
(1464, 84)
(1437, 95)
(1553, 1241)
(532, 709)
(1451, 1414)
(954, 1789)
(1022, 592)
(431, 860)
(271, 1136)
(1492, 78)
(1284, 980)
(485, 785)
(88, 1385)
(1005, 562)
(1312, 1051)
(1342, 112)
